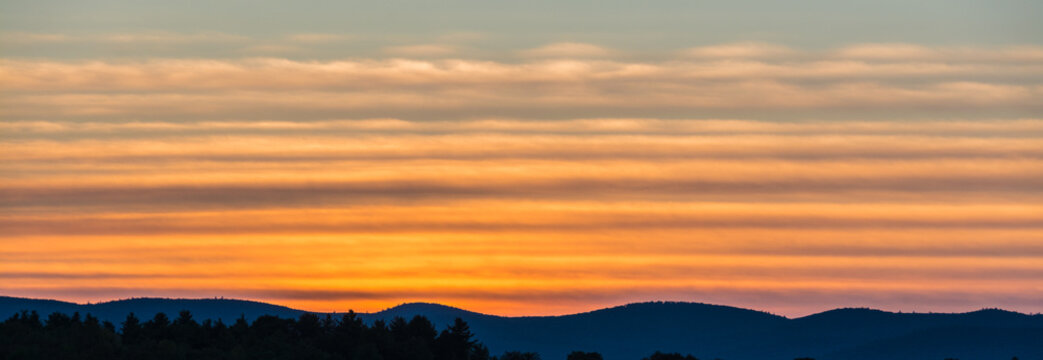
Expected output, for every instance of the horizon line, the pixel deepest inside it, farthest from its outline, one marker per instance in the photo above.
(222, 298)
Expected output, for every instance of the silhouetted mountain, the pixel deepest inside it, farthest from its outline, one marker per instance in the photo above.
(437, 313)
(626, 332)
(145, 308)
(634, 331)
(957, 342)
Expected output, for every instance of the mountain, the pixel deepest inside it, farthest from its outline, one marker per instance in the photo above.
(634, 331)
(145, 308)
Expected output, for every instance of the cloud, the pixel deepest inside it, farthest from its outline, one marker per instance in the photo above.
(462, 37)
(567, 50)
(556, 180)
(741, 50)
(33, 38)
(732, 172)
(272, 49)
(652, 141)
(423, 50)
(151, 75)
(286, 89)
(317, 38)
(477, 217)
(283, 74)
(137, 38)
(171, 38)
(888, 52)
(593, 126)
(913, 52)
(445, 100)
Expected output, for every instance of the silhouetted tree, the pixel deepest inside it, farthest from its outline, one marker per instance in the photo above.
(131, 330)
(421, 328)
(670, 356)
(481, 353)
(456, 343)
(158, 328)
(397, 327)
(518, 355)
(309, 325)
(581, 355)
(23, 336)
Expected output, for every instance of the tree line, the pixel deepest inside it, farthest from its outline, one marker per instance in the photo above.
(26, 336)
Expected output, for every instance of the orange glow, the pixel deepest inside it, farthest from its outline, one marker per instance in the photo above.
(504, 188)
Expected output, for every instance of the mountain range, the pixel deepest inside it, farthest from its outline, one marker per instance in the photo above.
(634, 331)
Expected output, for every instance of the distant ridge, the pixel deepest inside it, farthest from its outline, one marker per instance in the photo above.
(115, 311)
(633, 331)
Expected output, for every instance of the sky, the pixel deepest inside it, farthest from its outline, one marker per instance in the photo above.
(525, 158)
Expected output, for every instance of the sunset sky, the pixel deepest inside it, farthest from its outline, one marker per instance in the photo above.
(527, 157)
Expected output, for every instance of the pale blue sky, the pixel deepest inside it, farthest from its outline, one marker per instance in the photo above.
(498, 26)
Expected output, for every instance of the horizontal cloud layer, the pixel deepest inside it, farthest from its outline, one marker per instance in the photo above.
(555, 88)
(637, 209)
(568, 177)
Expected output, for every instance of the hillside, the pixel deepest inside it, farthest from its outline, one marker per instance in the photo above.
(636, 330)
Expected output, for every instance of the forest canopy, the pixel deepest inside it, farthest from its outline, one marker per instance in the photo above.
(60, 336)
